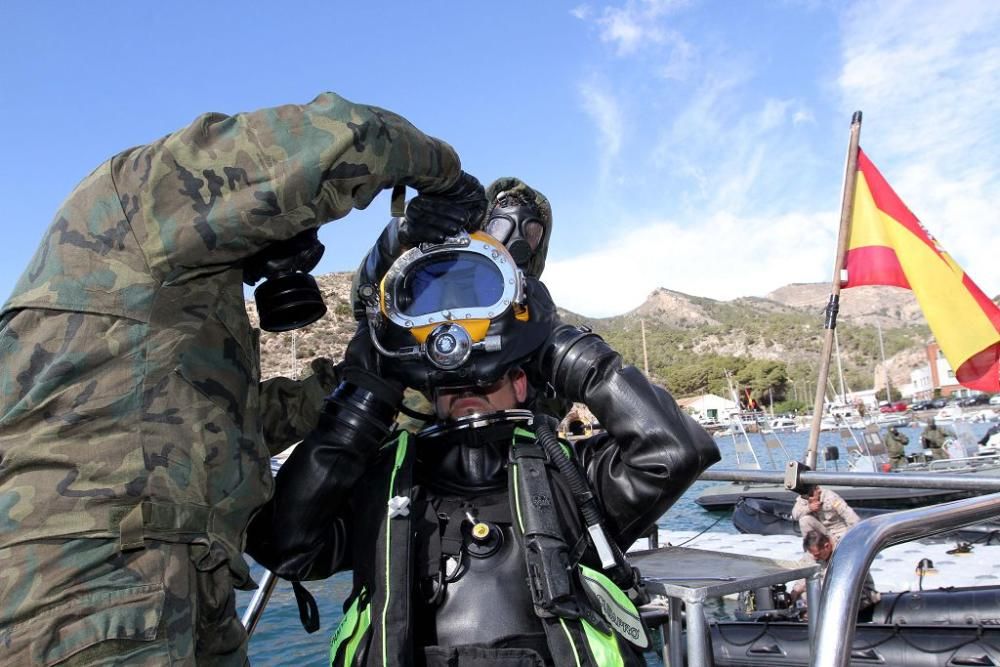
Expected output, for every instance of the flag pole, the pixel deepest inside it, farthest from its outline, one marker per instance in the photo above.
(833, 305)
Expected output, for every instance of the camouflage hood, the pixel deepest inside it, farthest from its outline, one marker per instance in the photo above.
(531, 197)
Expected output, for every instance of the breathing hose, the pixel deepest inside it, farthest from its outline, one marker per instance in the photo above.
(612, 559)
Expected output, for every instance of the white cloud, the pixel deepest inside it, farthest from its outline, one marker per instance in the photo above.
(605, 111)
(749, 185)
(637, 27)
(927, 75)
(723, 257)
(803, 115)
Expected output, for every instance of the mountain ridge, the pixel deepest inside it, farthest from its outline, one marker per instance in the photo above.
(685, 332)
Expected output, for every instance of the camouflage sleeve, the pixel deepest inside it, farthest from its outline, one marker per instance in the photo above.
(290, 409)
(224, 187)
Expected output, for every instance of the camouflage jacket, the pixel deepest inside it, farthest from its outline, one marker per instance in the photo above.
(129, 392)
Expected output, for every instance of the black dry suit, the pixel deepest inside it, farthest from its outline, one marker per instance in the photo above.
(472, 550)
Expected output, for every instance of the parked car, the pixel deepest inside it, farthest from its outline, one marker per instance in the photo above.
(921, 405)
(939, 403)
(978, 399)
(898, 406)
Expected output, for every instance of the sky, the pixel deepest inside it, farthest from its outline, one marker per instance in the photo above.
(693, 145)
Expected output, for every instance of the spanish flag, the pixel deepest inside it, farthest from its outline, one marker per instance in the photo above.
(889, 246)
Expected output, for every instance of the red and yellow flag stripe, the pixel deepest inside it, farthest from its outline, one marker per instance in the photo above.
(889, 246)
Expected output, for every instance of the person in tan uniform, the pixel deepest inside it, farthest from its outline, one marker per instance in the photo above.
(828, 508)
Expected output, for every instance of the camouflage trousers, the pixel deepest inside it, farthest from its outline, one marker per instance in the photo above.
(84, 602)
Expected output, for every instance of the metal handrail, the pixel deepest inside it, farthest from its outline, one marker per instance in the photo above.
(984, 460)
(957, 482)
(845, 576)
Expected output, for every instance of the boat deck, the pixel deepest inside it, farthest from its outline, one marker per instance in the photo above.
(893, 569)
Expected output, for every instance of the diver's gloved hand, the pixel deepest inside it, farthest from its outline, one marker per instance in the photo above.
(297, 534)
(301, 253)
(432, 216)
(366, 367)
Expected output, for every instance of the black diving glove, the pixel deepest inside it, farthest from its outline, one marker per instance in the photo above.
(431, 216)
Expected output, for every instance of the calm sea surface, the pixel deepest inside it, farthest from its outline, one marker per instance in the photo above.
(280, 639)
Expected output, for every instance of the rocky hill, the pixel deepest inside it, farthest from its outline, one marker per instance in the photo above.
(289, 353)
(690, 340)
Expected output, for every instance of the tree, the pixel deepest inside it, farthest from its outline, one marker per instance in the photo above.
(894, 395)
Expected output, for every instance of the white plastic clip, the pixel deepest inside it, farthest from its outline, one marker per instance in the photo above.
(399, 506)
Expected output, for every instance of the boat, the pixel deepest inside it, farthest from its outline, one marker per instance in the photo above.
(782, 425)
(749, 644)
(948, 415)
(725, 496)
(769, 516)
(867, 453)
(945, 626)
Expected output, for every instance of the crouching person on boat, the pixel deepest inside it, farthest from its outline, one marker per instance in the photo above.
(482, 539)
(827, 508)
(818, 548)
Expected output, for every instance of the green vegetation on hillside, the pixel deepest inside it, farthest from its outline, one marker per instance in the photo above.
(771, 349)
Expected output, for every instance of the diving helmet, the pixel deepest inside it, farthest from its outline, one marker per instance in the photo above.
(453, 313)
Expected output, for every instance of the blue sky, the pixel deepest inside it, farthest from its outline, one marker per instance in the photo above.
(696, 146)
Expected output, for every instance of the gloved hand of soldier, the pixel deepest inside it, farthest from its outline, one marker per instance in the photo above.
(301, 253)
(431, 217)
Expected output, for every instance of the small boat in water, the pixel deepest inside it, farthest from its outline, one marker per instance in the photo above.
(782, 425)
(768, 516)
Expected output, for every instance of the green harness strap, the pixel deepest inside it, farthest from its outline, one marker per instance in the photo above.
(572, 638)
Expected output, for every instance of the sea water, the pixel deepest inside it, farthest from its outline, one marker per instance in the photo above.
(280, 640)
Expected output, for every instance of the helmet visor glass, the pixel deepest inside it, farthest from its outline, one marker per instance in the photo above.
(450, 282)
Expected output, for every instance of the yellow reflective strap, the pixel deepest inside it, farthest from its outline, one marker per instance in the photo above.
(602, 646)
(569, 638)
(365, 622)
(351, 629)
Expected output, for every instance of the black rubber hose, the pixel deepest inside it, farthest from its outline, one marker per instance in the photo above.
(577, 483)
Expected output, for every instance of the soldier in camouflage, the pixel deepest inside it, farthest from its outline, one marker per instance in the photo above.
(132, 450)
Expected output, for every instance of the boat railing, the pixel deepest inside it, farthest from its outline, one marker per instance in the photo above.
(853, 557)
(926, 480)
(965, 462)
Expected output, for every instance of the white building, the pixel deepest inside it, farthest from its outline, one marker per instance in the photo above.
(936, 378)
(709, 408)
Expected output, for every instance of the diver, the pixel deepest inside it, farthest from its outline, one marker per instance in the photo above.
(482, 538)
(895, 444)
(517, 215)
(933, 438)
(827, 507)
(818, 548)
